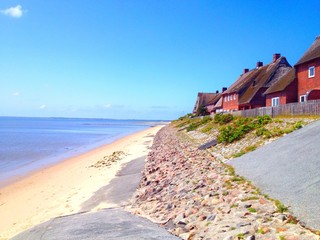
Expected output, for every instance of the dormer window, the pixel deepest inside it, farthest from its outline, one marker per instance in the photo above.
(311, 72)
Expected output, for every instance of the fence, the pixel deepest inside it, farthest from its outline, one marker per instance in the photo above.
(311, 107)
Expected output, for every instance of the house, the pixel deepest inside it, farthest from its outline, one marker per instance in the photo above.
(215, 105)
(308, 73)
(248, 90)
(284, 91)
(217, 108)
(204, 100)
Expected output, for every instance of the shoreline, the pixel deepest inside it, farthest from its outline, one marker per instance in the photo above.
(17, 171)
(60, 189)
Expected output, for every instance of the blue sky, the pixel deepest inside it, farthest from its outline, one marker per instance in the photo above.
(138, 59)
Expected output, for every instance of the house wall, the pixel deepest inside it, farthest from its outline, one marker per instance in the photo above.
(281, 95)
(305, 83)
(289, 95)
(313, 95)
(292, 92)
(232, 103)
(259, 100)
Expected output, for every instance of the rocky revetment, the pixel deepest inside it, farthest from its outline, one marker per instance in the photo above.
(195, 195)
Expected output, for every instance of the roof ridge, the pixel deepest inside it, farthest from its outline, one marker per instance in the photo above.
(311, 53)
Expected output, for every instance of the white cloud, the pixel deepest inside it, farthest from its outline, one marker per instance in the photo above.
(15, 94)
(43, 106)
(107, 105)
(15, 12)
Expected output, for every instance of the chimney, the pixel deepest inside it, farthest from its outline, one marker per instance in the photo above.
(259, 64)
(224, 89)
(276, 56)
(245, 70)
(217, 91)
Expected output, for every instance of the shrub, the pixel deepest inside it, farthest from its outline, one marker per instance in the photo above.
(184, 122)
(193, 126)
(263, 120)
(205, 120)
(242, 126)
(232, 133)
(263, 132)
(207, 128)
(223, 118)
(197, 123)
(298, 125)
(202, 111)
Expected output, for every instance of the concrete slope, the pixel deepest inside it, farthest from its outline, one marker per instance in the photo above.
(106, 224)
(111, 223)
(119, 191)
(288, 169)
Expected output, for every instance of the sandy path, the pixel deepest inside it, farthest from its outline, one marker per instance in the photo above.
(62, 188)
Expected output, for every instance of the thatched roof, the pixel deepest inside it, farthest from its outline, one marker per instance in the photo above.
(218, 103)
(248, 84)
(265, 77)
(205, 99)
(242, 82)
(283, 82)
(312, 53)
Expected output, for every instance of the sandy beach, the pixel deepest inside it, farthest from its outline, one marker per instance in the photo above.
(61, 189)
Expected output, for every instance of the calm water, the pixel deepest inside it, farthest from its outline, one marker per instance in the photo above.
(27, 144)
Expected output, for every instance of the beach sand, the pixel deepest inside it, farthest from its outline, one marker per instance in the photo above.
(61, 189)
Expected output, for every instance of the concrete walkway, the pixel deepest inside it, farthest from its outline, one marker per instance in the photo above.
(112, 223)
(288, 169)
(105, 224)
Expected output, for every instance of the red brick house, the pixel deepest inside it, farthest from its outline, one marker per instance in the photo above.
(283, 91)
(248, 91)
(308, 73)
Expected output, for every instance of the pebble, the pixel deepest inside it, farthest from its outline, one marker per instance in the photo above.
(197, 196)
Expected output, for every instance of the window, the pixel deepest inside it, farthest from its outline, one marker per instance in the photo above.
(275, 102)
(303, 98)
(228, 98)
(311, 72)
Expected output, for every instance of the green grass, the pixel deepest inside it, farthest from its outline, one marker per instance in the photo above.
(252, 210)
(280, 206)
(250, 198)
(245, 150)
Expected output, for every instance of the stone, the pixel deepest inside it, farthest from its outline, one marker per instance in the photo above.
(202, 218)
(252, 237)
(184, 189)
(243, 224)
(229, 238)
(179, 218)
(211, 217)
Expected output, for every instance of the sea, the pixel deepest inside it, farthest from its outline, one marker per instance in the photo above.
(28, 144)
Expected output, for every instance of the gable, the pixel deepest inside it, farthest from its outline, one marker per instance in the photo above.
(283, 82)
(312, 53)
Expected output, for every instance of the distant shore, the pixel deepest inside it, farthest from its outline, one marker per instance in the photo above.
(62, 188)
